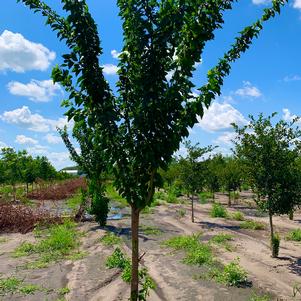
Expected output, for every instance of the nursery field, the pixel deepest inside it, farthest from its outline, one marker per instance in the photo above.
(214, 258)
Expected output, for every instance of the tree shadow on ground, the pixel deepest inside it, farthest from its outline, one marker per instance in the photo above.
(295, 267)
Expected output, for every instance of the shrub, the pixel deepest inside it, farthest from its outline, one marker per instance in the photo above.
(294, 235)
(238, 216)
(232, 274)
(275, 245)
(218, 211)
(100, 208)
(117, 260)
(253, 225)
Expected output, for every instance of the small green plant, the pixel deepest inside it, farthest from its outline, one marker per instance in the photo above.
(197, 253)
(119, 260)
(181, 213)
(148, 230)
(238, 216)
(232, 274)
(63, 291)
(205, 196)
(294, 235)
(255, 297)
(110, 239)
(147, 210)
(253, 225)
(223, 239)
(275, 242)
(12, 285)
(218, 211)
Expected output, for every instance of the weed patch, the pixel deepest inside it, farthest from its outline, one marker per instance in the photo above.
(255, 297)
(218, 211)
(110, 239)
(12, 285)
(59, 242)
(223, 239)
(294, 235)
(237, 216)
(148, 230)
(253, 225)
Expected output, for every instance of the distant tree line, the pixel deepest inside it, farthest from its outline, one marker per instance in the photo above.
(18, 167)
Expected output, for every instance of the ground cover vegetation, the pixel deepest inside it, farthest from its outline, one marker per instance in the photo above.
(135, 133)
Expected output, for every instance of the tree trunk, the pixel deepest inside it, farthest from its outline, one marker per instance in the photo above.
(229, 200)
(213, 196)
(192, 209)
(291, 215)
(135, 255)
(26, 188)
(272, 231)
(14, 192)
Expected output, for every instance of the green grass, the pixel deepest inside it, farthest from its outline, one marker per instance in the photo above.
(149, 230)
(205, 196)
(218, 210)
(74, 202)
(63, 291)
(196, 253)
(114, 195)
(294, 235)
(110, 239)
(12, 285)
(3, 240)
(255, 297)
(253, 225)
(223, 240)
(56, 243)
(237, 216)
(232, 274)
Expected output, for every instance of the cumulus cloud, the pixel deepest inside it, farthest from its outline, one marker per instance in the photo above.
(115, 54)
(53, 139)
(24, 118)
(35, 90)
(225, 138)
(110, 69)
(297, 4)
(219, 116)
(22, 139)
(248, 90)
(288, 116)
(19, 54)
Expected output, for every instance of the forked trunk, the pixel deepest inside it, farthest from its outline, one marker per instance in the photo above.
(192, 209)
(135, 255)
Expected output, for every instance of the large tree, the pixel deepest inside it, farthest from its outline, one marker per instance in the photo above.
(269, 153)
(143, 124)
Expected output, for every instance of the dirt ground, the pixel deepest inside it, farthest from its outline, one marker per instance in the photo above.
(89, 279)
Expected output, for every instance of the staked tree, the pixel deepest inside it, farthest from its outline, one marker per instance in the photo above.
(143, 124)
(269, 154)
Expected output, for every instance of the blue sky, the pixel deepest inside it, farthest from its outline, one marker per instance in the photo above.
(266, 79)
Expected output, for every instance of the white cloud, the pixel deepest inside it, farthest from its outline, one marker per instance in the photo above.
(110, 69)
(260, 2)
(37, 91)
(24, 118)
(297, 4)
(19, 54)
(219, 116)
(115, 54)
(248, 90)
(53, 139)
(21, 139)
(225, 138)
(58, 159)
(292, 78)
(288, 116)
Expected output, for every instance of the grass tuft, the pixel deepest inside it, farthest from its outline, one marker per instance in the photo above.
(218, 211)
(110, 239)
(253, 225)
(237, 216)
(294, 235)
(223, 239)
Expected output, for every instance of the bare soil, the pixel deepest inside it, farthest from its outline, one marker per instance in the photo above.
(89, 279)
